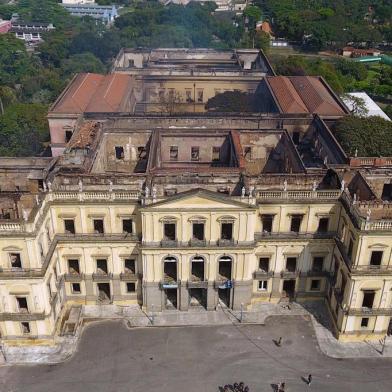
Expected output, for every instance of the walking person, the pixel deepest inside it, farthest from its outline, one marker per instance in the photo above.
(282, 386)
(310, 379)
(279, 341)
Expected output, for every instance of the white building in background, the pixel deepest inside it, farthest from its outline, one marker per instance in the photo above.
(78, 1)
(371, 107)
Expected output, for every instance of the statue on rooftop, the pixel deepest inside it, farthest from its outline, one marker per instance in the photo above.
(285, 185)
(80, 184)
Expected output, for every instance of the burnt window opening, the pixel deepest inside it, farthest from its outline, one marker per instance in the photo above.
(69, 226)
(267, 221)
(195, 153)
(323, 225)
(75, 287)
(102, 266)
(169, 231)
(104, 293)
(73, 266)
(127, 226)
(40, 184)
(315, 284)
(22, 304)
(387, 192)
(25, 327)
(350, 248)
(376, 257)
(170, 269)
(248, 153)
(68, 136)
(227, 231)
(364, 322)
(188, 96)
(368, 299)
(198, 231)
(224, 268)
(215, 154)
(173, 153)
(131, 287)
(130, 266)
(197, 268)
(200, 95)
(318, 262)
(15, 260)
(141, 152)
(291, 264)
(295, 225)
(119, 152)
(98, 226)
(296, 136)
(264, 264)
(343, 285)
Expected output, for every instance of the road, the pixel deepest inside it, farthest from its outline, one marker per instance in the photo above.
(112, 358)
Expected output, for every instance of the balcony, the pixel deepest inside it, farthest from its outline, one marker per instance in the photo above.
(197, 243)
(73, 277)
(316, 273)
(197, 284)
(102, 276)
(371, 269)
(169, 243)
(369, 312)
(260, 274)
(129, 276)
(22, 316)
(15, 273)
(261, 236)
(286, 274)
(224, 242)
(169, 282)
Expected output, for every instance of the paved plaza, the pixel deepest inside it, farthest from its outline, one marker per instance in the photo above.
(114, 358)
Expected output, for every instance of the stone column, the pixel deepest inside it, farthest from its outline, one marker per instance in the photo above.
(183, 296)
(242, 293)
(153, 296)
(212, 296)
(116, 287)
(275, 292)
(90, 294)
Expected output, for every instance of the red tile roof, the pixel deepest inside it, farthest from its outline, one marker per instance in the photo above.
(304, 94)
(89, 92)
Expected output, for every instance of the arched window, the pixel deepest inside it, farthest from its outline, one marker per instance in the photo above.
(197, 269)
(225, 264)
(170, 269)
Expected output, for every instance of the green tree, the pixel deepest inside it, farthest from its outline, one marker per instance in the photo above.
(262, 41)
(83, 62)
(232, 101)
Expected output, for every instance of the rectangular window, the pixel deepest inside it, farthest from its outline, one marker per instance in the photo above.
(364, 322)
(25, 326)
(188, 95)
(195, 153)
(323, 225)
(296, 223)
(267, 221)
(119, 152)
(75, 288)
(130, 266)
(73, 266)
(131, 287)
(169, 231)
(215, 154)
(173, 153)
(315, 285)
(368, 299)
(22, 304)
(376, 257)
(264, 264)
(69, 226)
(161, 94)
(15, 260)
(141, 152)
(98, 226)
(291, 264)
(198, 231)
(248, 153)
(102, 266)
(350, 248)
(262, 285)
(318, 262)
(127, 226)
(68, 135)
(200, 95)
(227, 231)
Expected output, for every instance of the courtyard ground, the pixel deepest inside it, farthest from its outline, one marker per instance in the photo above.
(114, 358)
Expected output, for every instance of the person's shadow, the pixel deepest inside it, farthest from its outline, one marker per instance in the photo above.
(276, 342)
(305, 379)
(275, 387)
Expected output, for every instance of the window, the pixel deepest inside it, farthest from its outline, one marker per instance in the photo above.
(22, 304)
(387, 192)
(119, 152)
(173, 153)
(376, 257)
(200, 94)
(141, 152)
(161, 94)
(215, 154)
(350, 248)
(170, 269)
(195, 153)
(318, 262)
(296, 223)
(248, 153)
(296, 137)
(323, 225)
(73, 266)
(102, 266)
(264, 264)
(75, 288)
(291, 264)
(68, 135)
(188, 95)
(169, 231)
(127, 226)
(15, 260)
(25, 326)
(98, 226)
(197, 268)
(130, 266)
(364, 322)
(226, 231)
(69, 226)
(267, 221)
(368, 299)
(224, 268)
(198, 231)
(315, 285)
(262, 285)
(131, 287)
